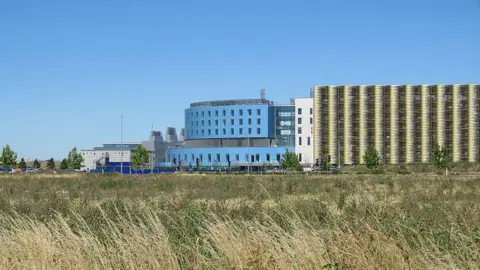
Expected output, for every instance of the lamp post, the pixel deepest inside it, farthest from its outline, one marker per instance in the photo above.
(121, 144)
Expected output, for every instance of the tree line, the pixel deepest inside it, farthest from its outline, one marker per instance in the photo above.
(8, 160)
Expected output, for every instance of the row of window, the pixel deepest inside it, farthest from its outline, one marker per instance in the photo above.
(224, 122)
(223, 131)
(299, 121)
(224, 113)
(299, 111)
(300, 141)
(300, 130)
(193, 160)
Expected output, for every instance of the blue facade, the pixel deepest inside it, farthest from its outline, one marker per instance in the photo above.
(238, 156)
(229, 122)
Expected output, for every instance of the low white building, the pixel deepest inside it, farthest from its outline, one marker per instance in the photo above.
(113, 154)
(304, 131)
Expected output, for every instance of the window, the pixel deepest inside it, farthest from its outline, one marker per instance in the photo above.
(249, 111)
(232, 122)
(299, 131)
(240, 121)
(300, 157)
(299, 121)
(246, 157)
(196, 132)
(196, 114)
(224, 121)
(259, 121)
(218, 158)
(224, 113)
(268, 157)
(196, 123)
(237, 157)
(209, 114)
(311, 121)
(240, 112)
(278, 158)
(201, 158)
(299, 111)
(209, 123)
(258, 112)
(249, 121)
(209, 157)
(311, 110)
(299, 140)
(209, 132)
(231, 131)
(257, 157)
(203, 114)
(192, 123)
(216, 122)
(240, 131)
(227, 157)
(308, 140)
(258, 131)
(216, 113)
(249, 131)
(203, 132)
(232, 113)
(216, 131)
(224, 131)
(203, 123)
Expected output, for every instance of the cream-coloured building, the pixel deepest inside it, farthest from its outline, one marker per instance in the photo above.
(402, 122)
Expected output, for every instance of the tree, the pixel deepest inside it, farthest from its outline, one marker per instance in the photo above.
(75, 159)
(140, 157)
(290, 161)
(8, 157)
(51, 164)
(36, 164)
(440, 158)
(22, 164)
(64, 164)
(372, 158)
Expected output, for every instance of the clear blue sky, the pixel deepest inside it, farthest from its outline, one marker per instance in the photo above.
(69, 68)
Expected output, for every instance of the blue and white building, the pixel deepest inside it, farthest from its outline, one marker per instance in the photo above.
(235, 133)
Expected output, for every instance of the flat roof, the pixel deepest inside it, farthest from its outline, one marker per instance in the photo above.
(231, 102)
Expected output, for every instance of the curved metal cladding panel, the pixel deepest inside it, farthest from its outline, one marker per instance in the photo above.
(456, 124)
(409, 125)
(363, 118)
(226, 122)
(394, 132)
(379, 132)
(472, 123)
(426, 108)
(347, 146)
(239, 156)
(441, 114)
(332, 124)
(317, 126)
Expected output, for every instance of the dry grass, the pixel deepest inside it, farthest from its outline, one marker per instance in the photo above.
(240, 222)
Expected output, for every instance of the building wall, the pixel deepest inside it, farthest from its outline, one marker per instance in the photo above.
(208, 156)
(304, 130)
(403, 123)
(234, 121)
(92, 156)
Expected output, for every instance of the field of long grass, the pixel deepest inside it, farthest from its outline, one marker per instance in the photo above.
(239, 222)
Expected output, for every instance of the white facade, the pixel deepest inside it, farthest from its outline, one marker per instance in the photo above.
(91, 157)
(304, 130)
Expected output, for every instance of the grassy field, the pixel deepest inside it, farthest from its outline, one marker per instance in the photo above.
(239, 222)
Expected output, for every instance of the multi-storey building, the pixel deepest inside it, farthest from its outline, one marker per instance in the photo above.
(235, 133)
(304, 131)
(403, 123)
